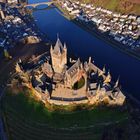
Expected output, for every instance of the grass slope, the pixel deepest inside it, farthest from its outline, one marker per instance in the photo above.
(123, 6)
(28, 119)
(28, 108)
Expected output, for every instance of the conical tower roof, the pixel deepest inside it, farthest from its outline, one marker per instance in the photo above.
(117, 83)
(58, 48)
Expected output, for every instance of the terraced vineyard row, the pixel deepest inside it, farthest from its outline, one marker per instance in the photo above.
(21, 129)
(28, 119)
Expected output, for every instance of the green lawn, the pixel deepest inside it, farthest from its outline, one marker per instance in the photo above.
(79, 84)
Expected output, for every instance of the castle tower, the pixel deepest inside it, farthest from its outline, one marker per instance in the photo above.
(58, 56)
(108, 78)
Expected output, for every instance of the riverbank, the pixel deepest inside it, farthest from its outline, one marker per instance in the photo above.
(108, 40)
(95, 32)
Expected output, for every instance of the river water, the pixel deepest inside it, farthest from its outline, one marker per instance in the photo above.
(82, 44)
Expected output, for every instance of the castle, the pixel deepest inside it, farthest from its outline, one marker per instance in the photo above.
(55, 80)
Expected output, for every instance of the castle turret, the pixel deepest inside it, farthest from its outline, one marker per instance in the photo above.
(58, 56)
(65, 54)
(89, 60)
(18, 68)
(104, 70)
(117, 83)
(108, 78)
(51, 49)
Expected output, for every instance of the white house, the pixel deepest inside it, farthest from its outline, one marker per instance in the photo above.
(77, 11)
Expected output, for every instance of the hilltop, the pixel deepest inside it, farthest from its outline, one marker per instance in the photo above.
(123, 6)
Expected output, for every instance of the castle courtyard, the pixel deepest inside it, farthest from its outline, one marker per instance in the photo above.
(68, 93)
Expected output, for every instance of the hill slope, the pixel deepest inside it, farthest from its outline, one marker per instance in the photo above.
(123, 6)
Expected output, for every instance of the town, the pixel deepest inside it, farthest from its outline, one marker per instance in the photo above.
(123, 28)
(16, 25)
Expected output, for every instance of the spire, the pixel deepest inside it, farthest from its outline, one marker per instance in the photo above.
(17, 68)
(58, 48)
(108, 73)
(89, 60)
(65, 47)
(81, 65)
(117, 82)
(51, 48)
(19, 61)
(104, 70)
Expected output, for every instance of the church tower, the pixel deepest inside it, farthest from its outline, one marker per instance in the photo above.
(58, 56)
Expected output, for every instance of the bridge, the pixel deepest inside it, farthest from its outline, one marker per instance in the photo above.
(34, 5)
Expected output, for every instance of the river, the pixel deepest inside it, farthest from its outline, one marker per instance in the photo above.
(82, 44)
